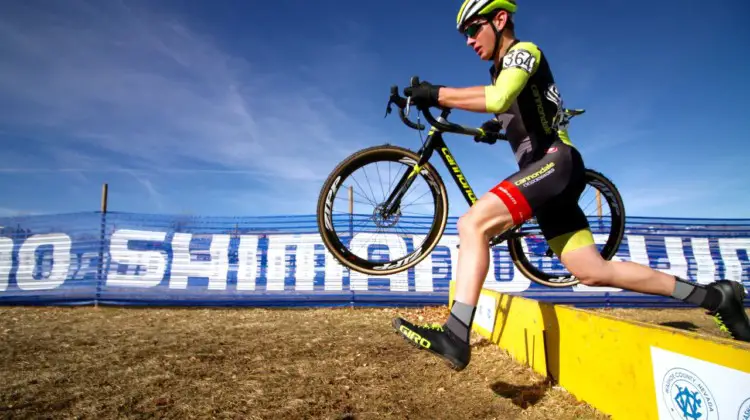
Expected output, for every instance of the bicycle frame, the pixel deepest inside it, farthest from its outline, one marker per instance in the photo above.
(436, 143)
(433, 143)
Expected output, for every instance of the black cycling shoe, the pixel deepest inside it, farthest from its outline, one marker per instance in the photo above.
(436, 339)
(730, 316)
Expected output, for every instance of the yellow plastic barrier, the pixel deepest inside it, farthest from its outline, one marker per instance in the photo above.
(627, 369)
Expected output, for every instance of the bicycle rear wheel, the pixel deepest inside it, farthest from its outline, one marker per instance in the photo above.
(532, 255)
(345, 232)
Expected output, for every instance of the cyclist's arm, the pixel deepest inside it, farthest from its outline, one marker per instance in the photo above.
(519, 64)
(468, 98)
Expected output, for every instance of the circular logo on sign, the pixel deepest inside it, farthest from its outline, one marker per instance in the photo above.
(687, 396)
(744, 412)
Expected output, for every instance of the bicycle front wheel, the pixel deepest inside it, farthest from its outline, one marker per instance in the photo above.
(355, 229)
(532, 255)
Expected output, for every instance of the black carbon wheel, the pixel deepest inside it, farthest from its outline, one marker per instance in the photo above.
(337, 228)
(542, 269)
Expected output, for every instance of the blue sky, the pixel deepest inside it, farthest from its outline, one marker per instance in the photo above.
(243, 107)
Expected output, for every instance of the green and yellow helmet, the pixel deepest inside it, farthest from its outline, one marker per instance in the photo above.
(471, 8)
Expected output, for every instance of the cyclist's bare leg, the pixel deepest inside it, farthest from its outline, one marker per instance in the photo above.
(587, 264)
(722, 298)
(488, 217)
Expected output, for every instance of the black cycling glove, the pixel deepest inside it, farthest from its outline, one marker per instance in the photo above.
(424, 94)
(491, 126)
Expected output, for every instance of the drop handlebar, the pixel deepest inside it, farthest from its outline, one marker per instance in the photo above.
(440, 123)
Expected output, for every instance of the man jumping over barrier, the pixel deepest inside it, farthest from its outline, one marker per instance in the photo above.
(525, 100)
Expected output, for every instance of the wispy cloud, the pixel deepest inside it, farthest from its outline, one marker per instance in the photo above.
(153, 194)
(125, 89)
(9, 212)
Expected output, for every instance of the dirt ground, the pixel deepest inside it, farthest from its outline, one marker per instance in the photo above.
(250, 363)
(83, 362)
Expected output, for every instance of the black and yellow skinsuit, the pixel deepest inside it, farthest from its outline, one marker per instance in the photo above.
(548, 184)
(550, 179)
(525, 100)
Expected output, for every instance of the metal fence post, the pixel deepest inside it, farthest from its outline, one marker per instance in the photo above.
(102, 233)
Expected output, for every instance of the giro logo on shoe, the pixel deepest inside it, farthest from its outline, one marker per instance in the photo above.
(413, 336)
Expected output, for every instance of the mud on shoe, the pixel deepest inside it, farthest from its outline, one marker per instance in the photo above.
(730, 315)
(437, 340)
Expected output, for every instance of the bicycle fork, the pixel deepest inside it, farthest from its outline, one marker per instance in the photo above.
(393, 203)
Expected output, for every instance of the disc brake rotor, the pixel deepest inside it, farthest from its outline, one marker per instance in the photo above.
(382, 222)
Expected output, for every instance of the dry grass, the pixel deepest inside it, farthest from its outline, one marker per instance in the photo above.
(82, 362)
(251, 364)
(687, 319)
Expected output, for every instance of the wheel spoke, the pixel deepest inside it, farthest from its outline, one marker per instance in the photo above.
(531, 252)
(365, 228)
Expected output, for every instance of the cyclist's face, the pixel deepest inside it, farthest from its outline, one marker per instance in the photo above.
(480, 37)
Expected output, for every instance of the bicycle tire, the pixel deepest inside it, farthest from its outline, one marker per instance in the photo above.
(614, 200)
(360, 158)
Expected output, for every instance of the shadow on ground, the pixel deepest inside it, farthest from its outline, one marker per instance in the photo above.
(522, 396)
(682, 325)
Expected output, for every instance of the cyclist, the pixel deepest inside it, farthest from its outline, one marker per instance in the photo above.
(526, 102)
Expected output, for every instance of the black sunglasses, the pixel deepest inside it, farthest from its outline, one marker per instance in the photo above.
(472, 30)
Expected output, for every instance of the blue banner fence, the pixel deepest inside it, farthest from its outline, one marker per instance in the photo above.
(174, 260)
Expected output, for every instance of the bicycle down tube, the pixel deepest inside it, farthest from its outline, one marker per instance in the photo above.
(433, 142)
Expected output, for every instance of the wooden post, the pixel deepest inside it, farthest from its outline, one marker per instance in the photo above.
(599, 203)
(351, 200)
(100, 273)
(105, 190)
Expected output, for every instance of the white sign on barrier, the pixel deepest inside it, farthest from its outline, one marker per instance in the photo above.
(486, 312)
(690, 388)
(146, 259)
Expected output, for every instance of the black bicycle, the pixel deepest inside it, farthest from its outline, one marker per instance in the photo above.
(347, 230)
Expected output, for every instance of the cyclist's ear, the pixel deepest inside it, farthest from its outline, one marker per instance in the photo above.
(502, 20)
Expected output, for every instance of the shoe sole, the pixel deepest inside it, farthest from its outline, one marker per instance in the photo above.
(741, 290)
(739, 298)
(447, 360)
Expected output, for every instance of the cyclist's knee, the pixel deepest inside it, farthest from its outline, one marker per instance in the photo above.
(595, 276)
(587, 265)
(468, 224)
(592, 278)
(464, 224)
(487, 217)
